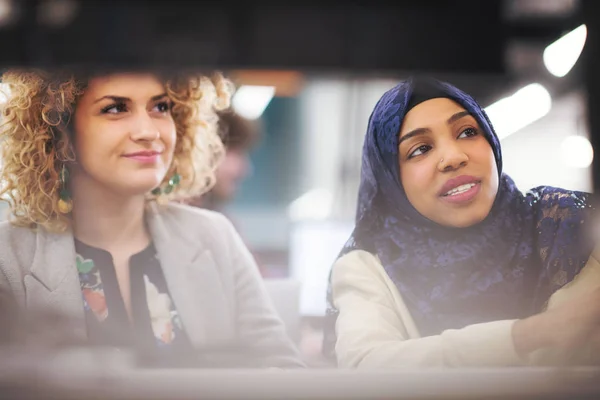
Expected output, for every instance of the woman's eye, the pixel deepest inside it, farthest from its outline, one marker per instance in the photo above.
(115, 108)
(424, 148)
(469, 132)
(163, 107)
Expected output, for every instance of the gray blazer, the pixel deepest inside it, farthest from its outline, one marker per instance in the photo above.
(213, 279)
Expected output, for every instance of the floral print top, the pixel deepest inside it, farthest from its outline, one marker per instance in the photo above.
(154, 325)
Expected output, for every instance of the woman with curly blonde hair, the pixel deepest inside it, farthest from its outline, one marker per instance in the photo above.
(90, 168)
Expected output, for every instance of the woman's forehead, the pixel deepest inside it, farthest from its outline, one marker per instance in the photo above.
(431, 112)
(120, 84)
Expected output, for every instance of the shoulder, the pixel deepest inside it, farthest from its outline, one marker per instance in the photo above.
(549, 196)
(356, 265)
(15, 237)
(567, 210)
(194, 219)
(357, 258)
(197, 225)
(565, 218)
(17, 247)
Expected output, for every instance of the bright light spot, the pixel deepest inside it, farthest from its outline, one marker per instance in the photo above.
(576, 152)
(251, 101)
(515, 112)
(561, 56)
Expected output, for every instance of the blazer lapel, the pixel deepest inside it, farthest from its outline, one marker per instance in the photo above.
(54, 281)
(193, 280)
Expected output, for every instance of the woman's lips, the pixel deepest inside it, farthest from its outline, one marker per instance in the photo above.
(144, 156)
(462, 194)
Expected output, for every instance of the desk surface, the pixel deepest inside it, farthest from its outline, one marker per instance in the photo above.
(75, 378)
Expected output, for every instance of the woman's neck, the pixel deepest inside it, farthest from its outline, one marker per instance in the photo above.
(107, 220)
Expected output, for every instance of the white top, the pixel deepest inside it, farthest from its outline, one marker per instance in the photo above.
(376, 330)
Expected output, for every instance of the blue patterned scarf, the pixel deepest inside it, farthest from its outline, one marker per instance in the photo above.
(504, 267)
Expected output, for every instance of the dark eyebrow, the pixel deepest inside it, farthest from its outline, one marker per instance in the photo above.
(116, 99)
(422, 131)
(413, 133)
(158, 97)
(457, 116)
(121, 99)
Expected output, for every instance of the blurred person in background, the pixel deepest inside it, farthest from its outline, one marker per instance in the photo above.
(449, 264)
(93, 166)
(239, 136)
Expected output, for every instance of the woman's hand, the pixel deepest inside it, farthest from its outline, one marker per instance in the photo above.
(566, 328)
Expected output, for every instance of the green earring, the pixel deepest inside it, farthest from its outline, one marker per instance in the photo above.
(65, 203)
(173, 182)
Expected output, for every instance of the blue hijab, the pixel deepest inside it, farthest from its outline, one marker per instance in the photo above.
(505, 267)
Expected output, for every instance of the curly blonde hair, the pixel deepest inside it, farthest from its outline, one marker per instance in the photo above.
(36, 144)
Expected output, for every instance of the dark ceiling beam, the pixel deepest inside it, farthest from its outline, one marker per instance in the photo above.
(353, 35)
(463, 36)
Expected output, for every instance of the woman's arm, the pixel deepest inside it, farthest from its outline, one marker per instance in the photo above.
(260, 329)
(375, 330)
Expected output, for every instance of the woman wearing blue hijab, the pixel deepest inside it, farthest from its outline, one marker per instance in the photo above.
(449, 263)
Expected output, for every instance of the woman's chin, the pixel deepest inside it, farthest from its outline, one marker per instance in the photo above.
(140, 188)
(457, 220)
